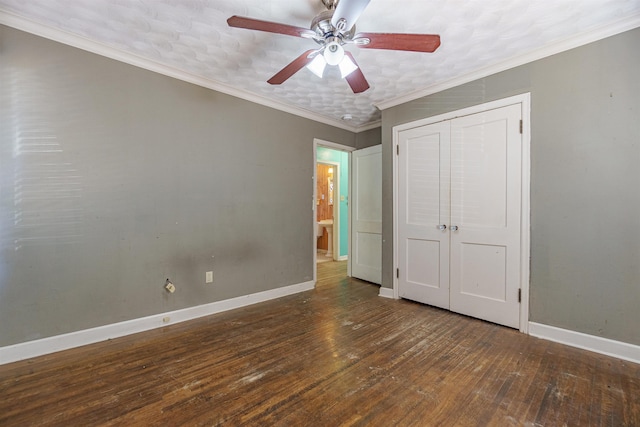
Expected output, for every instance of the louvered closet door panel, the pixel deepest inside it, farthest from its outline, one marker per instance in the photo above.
(423, 185)
(485, 206)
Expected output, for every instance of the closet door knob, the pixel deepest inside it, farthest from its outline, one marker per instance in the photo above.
(441, 227)
(454, 228)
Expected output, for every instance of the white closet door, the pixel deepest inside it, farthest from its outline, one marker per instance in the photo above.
(423, 214)
(366, 212)
(486, 171)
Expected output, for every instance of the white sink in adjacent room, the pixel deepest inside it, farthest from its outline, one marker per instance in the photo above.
(328, 225)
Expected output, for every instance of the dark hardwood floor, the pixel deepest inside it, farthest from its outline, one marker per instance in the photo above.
(335, 356)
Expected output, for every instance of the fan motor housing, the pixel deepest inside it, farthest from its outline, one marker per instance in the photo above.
(321, 25)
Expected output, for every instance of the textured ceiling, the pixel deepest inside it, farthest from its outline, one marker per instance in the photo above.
(192, 36)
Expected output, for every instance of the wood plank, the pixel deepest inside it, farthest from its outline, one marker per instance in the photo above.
(336, 355)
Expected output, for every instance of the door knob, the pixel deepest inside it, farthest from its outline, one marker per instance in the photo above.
(441, 227)
(454, 228)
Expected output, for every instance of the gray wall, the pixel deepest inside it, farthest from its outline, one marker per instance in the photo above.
(369, 138)
(113, 178)
(585, 196)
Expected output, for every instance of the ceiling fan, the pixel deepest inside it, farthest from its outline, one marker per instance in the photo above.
(332, 29)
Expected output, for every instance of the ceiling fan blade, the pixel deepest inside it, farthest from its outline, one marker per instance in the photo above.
(269, 27)
(293, 67)
(397, 41)
(349, 11)
(356, 79)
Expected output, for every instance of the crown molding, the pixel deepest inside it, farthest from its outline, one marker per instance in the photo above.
(23, 24)
(369, 126)
(20, 23)
(620, 26)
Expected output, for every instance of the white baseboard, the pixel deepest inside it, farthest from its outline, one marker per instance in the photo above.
(343, 258)
(386, 292)
(619, 349)
(26, 350)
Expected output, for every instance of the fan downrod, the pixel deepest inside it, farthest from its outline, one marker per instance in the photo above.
(330, 4)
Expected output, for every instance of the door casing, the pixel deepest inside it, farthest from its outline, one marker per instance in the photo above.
(319, 142)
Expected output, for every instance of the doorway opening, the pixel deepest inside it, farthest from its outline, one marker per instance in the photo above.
(328, 204)
(331, 210)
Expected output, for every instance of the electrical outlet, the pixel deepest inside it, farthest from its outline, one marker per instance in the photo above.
(169, 286)
(208, 277)
(166, 319)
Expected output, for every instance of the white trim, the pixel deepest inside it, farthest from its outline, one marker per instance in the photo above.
(349, 210)
(20, 23)
(525, 213)
(369, 126)
(396, 261)
(608, 347)
(525, 101)
(387, 293)
(343, 258)
(25, 350)
(333, 145)
(479, 108)
(314, 207)
(625, 24)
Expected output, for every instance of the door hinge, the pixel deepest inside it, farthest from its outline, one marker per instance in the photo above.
(521, 126)
(398, 149)
(397, 273)
(519, 294)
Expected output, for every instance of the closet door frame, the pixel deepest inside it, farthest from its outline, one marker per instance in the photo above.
(524, 100)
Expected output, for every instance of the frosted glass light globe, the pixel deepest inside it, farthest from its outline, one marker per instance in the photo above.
(333, 53)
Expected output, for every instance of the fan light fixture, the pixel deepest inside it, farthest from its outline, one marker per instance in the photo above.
(317, 66)
(347, 66)
(333, 53)
(320, 62)
(332, 29)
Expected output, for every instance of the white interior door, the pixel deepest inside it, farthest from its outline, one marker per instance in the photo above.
(366, 214)
(423, 214)
(486, 173)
